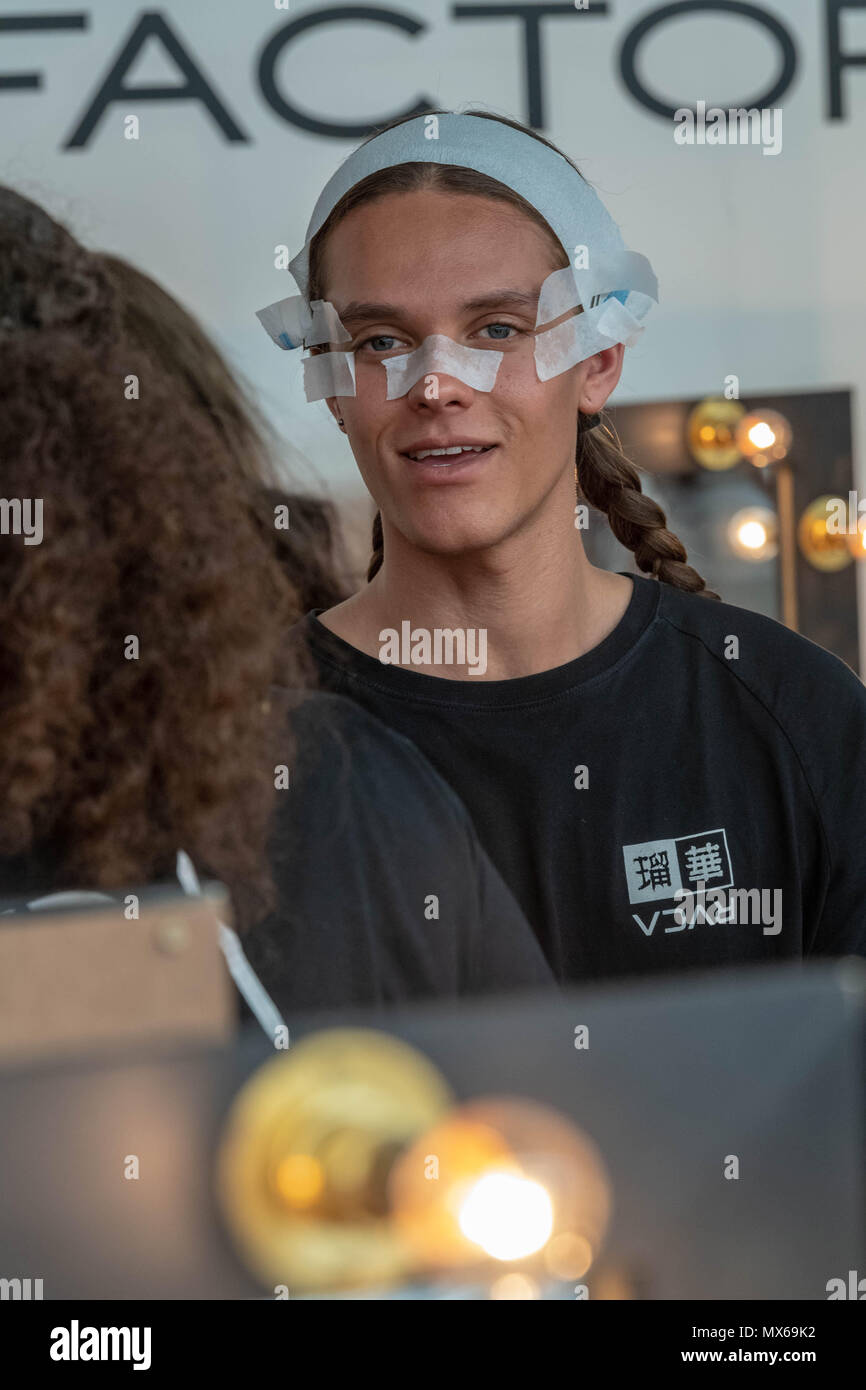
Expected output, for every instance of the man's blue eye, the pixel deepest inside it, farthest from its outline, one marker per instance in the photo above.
(385, 342)
(378, 339)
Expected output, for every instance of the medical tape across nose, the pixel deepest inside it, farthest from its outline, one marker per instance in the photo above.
(475, 367)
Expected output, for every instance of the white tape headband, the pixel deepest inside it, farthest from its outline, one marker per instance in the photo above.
(611, 287)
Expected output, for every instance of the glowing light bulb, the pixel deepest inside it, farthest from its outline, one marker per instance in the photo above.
(502, 1179)
(508, 1216)
(764, 437)
(753, 533)
(761, 435)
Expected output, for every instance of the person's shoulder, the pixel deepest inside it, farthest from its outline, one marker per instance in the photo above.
(337, 736)
(329, 716)
(300, 628)
(756, 647)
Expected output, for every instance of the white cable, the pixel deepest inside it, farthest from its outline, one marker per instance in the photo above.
(259, 1001)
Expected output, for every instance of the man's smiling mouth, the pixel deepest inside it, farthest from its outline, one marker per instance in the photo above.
(447, 453)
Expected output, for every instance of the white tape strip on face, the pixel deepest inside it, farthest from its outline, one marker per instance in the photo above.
(476, 367)
(291, 323)
(605, 320)
(569, 287)
(333, 373)
(329, 374)
(557, 349)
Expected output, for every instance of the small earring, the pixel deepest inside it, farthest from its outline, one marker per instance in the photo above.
(340, 423)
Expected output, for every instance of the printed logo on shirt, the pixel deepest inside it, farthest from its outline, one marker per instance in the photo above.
(658, 869)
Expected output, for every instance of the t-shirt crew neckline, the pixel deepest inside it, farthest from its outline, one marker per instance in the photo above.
(342, 656)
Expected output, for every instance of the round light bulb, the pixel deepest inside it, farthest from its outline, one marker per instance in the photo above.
(711, 433)
(753, 534)
(763, 437)
(509, 1217)
(825, 548)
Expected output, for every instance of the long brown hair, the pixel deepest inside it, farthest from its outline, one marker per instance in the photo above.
(109, 765)
(605, 477)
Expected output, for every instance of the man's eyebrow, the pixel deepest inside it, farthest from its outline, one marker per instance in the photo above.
(360, 311)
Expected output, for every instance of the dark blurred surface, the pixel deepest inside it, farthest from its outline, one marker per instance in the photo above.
(767, 1064)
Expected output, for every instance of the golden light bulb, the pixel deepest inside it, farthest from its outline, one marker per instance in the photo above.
(711, 433)
(302, 1164)
(825, 549)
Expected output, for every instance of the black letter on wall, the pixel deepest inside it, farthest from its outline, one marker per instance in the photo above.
(531, 14)
(21, 23)
(337, 130)
(196, 88)
(643, 27)
(836, 59)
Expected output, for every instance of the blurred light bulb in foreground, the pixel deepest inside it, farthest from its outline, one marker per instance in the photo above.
(508, 1216)
(501, 1179)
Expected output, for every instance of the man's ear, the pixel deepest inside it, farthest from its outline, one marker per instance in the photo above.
(603, 371)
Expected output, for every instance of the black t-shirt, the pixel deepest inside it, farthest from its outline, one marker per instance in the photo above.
(697, 743)
(383, 891)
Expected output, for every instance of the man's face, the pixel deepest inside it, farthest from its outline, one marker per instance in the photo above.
(432, 257)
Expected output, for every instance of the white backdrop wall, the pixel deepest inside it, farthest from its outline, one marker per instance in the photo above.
(759, 257)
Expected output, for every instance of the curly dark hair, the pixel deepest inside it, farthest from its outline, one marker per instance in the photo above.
(139, 639)
(311, 548)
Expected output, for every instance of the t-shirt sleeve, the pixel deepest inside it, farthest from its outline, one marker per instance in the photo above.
(837, 739)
